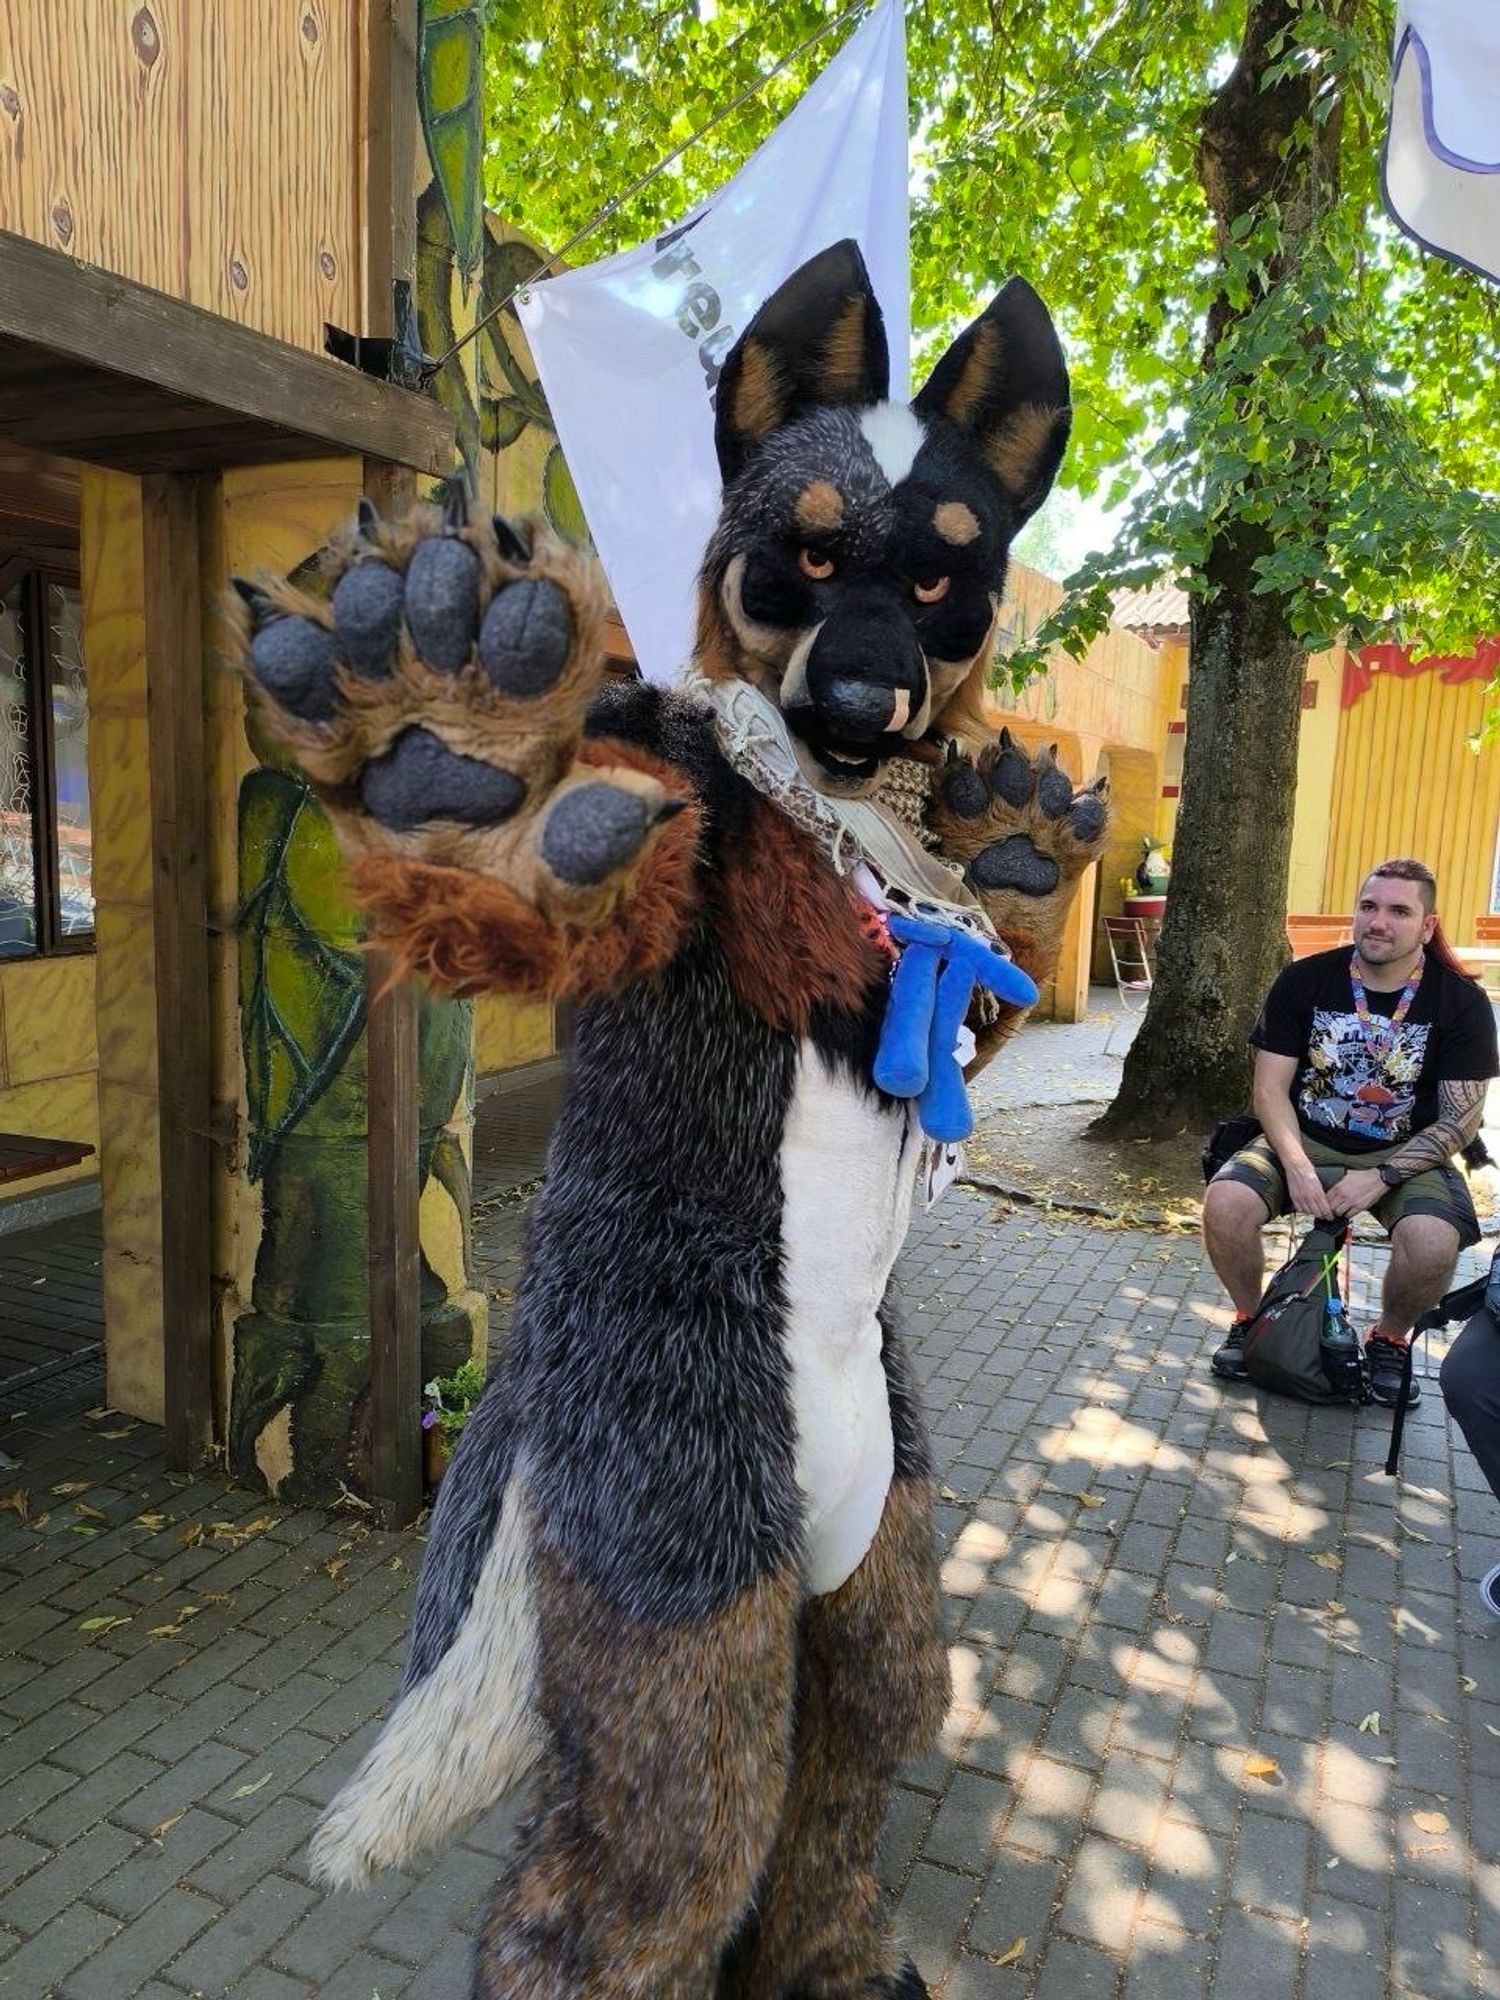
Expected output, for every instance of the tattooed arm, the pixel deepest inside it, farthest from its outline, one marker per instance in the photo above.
(1460, 1114)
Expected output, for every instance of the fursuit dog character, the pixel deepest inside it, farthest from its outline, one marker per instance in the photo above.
(681, 1577)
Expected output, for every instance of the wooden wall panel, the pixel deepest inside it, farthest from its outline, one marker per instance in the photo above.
(1406, 782)
(212, 151)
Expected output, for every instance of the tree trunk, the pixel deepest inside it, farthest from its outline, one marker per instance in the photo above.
(1223, 936)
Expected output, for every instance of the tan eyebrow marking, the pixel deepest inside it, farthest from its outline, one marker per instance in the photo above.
(820, 507)
(955, 523)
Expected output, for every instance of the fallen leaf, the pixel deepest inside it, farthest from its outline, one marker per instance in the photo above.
(41, 1520)
(1468, 1685)
(1334, 1608)
(334, 1565)
(1371, 1723)
(1431, 1822)
(1384, 1760)
(123, 1432)
(1327, 1560)
(17, 1503)
(105, 1624)
(1492, 1729)
(1262, 1767)
(191, 1535)
(66, 1486)
(159, 1833)
(1012, 1955)
(1231, 1557)
(248, 1791)
(89, 1513)
(1332, 1861)
(1412, 1534)
(81, 1528)
(223, 1598)
(152, 1521)
(1090, 1500)
(259, 1525)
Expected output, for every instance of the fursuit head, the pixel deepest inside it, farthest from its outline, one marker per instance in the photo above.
(680, 1585)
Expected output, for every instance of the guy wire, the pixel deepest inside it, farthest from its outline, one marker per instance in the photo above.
(618, 201)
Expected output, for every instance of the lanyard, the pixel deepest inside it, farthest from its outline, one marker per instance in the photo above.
(1380, 1035)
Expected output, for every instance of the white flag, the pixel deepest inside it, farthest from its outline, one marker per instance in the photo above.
(629, 349)
(1441, 170)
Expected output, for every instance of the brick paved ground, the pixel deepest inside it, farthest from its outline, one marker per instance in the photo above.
(1150, 1584)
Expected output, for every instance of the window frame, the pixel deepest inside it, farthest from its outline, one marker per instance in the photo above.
(35, 566)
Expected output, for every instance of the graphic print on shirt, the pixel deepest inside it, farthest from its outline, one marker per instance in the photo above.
(1348, 1086)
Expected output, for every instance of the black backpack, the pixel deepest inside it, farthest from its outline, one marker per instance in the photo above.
(1299, 1341)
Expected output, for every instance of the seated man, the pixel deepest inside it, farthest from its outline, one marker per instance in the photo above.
(1470, 1383)
(1374, 1062)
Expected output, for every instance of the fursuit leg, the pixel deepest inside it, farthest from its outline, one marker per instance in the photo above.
(660, 1788)
(872, 1691)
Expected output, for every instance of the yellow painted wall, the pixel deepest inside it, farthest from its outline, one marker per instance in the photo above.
(1317, 753)
(209, 148)
(48, 1058)
(1406, 782)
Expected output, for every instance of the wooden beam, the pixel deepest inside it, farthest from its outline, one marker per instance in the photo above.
(389, 155)
(175, 694)
(394, 1201)
(111, 330)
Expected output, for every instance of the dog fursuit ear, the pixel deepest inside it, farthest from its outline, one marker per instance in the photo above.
(1004, 382)
(818, 339)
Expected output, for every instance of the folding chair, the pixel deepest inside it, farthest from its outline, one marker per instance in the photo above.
(1130, 954)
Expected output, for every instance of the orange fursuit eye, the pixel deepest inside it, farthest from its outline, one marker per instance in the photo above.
(813, 563)
(930, 593)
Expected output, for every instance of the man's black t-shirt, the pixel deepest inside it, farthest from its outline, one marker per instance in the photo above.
(1358, 1097)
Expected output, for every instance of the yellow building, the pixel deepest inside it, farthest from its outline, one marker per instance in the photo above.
(1390, 761)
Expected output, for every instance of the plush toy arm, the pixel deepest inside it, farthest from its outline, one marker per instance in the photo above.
(1025, 838)
(435, 702)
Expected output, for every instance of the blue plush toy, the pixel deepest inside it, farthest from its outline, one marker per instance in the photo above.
(935, 976)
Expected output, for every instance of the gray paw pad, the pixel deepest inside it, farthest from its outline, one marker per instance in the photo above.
(1010, 777)
(442, 602)
(1015, 864)
(591, 832)
(964, 792)
(294, 662)
(1054, 792)
(367, 618)
(1087, 818)
(526, 637)
(420, 779)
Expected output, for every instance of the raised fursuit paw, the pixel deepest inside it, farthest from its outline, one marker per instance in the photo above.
(435, 702)
(1024, 837)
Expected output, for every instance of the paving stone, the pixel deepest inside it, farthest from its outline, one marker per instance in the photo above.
(155, 1865)
(1018, 1902)
(451, 1895)
(43, 1962)
(181, 1787)
(1104, 1891)
(1270, 1869)
(68, 1875)
(142, 1946)
(933, 1914)
(1257, 1954)
(239, 1936)
(90, 1799)
(967, 1823)
(335, 1926)
(367, 1976)
(1075, 1972)
(1163, 1964)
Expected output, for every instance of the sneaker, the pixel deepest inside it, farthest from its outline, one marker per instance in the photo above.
(1387, 1358)
(1228, 1361)
(1489, 1592)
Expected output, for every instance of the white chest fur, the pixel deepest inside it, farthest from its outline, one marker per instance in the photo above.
(847, 1167)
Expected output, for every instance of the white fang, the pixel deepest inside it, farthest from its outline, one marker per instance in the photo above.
(894, 433)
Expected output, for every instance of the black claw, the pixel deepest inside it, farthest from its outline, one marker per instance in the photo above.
(455, 507)
(421, 779)
(366, 519)
(951, 751)
(260, 606)
(1014, 863)
(295, 660)
(593, 831)
(526, 637)
(512, 543)
(442, 602)
(668, 809)
(964, 791)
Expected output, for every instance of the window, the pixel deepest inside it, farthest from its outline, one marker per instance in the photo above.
(46, 894)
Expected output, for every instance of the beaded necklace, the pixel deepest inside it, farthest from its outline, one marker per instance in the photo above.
(1380, 1035)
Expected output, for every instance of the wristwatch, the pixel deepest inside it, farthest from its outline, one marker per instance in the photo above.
(1391, 1175)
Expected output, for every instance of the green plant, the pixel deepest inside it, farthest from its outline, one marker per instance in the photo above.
(448, 1400)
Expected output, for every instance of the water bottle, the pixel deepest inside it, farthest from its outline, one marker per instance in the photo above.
(1340, 1349)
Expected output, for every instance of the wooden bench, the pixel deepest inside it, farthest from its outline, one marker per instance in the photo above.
(23, 1157)
(1306, 934)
